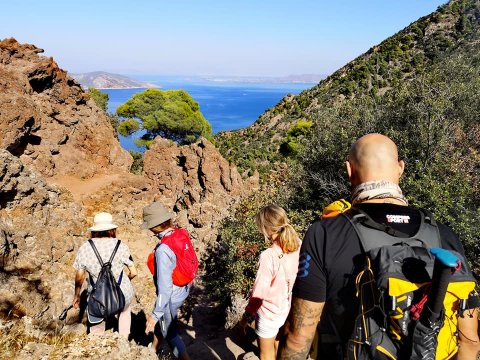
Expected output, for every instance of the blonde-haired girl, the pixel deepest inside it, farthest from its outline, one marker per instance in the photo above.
(270, 297)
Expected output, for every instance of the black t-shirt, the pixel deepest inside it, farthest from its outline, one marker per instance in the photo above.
(331, 258)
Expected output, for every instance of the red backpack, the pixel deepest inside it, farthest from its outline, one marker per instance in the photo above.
(187, 262)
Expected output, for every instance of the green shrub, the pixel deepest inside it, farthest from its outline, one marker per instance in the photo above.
(128, 127)
(100, 98)
(290, 147)
(231, 268)
(301, 127)
(137, 165)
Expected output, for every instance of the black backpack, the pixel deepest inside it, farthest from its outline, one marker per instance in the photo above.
(106, 298)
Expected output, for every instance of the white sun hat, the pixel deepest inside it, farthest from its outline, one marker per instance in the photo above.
(102, 221)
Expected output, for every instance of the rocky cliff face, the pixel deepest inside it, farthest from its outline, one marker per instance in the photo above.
(197, 182)
(48, 121)
(40, 227)
(60, 163)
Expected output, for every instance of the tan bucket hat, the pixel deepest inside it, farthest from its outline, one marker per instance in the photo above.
(102, 221)
(155, 214)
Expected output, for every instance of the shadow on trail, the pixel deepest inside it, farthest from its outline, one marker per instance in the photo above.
(204, 333)
(137, 329)
(247, 342)
(202, 328)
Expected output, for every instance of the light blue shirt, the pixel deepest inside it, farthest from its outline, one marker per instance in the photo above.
(169, 296)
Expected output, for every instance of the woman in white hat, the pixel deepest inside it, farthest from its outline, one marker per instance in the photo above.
(103, 235)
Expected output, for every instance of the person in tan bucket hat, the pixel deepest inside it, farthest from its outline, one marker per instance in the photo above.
(154, 215)
(103, 236)
(174, 265)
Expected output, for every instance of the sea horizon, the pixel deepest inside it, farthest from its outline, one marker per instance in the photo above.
(226, 105)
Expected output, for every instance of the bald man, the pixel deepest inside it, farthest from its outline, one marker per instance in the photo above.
(331, 257)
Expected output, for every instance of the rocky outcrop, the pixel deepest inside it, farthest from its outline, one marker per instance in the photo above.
(39, 230)
(48, 121)
(60, 163)
(42, 227)
(197, 182)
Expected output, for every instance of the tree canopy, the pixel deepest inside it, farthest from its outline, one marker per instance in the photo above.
(171, 114)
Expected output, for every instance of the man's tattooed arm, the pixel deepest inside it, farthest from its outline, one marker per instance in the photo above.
(468, 339)
(300, 328)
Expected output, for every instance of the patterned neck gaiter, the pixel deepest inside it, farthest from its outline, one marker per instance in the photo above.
(380, 189)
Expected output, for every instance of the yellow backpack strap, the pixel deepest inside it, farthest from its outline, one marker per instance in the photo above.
(335, 208)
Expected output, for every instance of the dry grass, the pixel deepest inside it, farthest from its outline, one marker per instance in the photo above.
(13, 339)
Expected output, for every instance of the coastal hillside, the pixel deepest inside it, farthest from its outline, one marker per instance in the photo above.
(61, 162)
(105, 80)
(452, 29)
(421, 87)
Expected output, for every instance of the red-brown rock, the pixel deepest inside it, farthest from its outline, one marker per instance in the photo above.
(48, 121)
(196, 181)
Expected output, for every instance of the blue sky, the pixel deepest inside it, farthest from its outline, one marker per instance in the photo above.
(206, 37)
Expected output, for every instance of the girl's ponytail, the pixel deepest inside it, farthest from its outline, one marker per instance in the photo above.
(288, 238)
(272, 219)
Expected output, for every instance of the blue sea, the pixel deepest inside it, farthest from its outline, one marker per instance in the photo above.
(226, 105)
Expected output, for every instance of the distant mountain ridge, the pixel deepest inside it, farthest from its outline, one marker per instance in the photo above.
(105, 80)
(289, 79)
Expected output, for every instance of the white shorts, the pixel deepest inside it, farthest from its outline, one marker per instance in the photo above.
(266, 328)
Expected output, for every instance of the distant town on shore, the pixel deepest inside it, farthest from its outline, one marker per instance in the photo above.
(105, 80)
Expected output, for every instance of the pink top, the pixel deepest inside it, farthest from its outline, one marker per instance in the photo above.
(271, 294)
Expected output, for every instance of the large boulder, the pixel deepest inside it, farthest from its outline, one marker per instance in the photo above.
(48, 121)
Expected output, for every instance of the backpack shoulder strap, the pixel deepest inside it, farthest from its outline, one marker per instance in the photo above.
(172, 240)
(92, 244)
(373, 234)
(281, 259)
(430, 226)
(111, 259)
(114, 251)
(90, 241)
(95, 251)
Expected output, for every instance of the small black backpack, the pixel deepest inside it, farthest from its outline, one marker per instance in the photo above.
(106, 298)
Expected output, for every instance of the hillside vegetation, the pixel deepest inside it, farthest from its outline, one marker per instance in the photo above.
(452, 29)
(421, 87)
